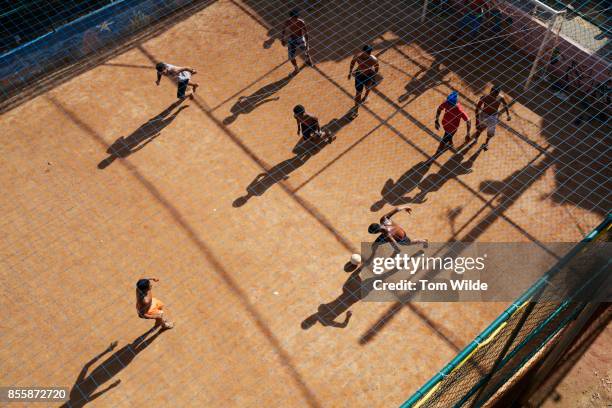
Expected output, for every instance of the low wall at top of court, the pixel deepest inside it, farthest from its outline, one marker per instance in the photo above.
(78, 39)
(527, 33)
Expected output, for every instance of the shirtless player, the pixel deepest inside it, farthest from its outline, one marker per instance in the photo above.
(365, 74)
(298, 38)
(149, 307)
(391, 232)
(307, 124)
(182, 76)
(487, 112)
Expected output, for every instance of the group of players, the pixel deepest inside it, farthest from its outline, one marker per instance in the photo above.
(364, 67)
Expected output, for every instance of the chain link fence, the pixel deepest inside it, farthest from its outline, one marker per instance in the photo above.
(487, 363)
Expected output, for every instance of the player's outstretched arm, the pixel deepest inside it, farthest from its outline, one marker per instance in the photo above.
(438, 112)
(394, 211)
(391, 213)
(403, 207)
(353, 61)
(506, 108)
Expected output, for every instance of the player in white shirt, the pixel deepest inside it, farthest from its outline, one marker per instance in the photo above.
(182, 76)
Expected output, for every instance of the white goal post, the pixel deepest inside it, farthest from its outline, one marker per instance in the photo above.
(549, 31)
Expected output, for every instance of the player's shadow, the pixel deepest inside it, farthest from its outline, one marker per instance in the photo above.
(247, 104)
(335, 125)
(353, 290)
(86, 386)
(424, 80)
(509, 190)
(580, 159)
(303, 151)
(145, 134)
(453, 168)
(393, 193)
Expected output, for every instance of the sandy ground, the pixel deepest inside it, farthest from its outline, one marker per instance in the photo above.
(246, 238)
(589, 382)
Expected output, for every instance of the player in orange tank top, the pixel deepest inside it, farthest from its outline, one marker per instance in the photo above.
(149, 307)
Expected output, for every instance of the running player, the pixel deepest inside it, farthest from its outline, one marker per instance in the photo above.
(182, 76)
(487, 114)
(307, 124)
(365, 74)
(149, 307)
(453, 114)
(295, 27)
(391, 232)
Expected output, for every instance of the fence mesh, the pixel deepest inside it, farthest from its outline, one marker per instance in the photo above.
(533, 321)
(570, 95)
(25, 20)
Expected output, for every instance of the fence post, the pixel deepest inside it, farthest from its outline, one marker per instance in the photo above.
(564, 343)
(424, 13)
(541, 50)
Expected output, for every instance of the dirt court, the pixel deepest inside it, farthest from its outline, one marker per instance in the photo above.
(249, 239)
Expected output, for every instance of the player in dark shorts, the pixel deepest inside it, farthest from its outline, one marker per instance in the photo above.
(182, 76)
(366, 75)
(307, 125)
(453, 114)
(298, 39)
(391, 232)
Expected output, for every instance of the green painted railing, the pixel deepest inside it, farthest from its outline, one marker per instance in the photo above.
(498, 323)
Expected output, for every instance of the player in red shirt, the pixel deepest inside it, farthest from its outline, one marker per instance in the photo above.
(453, 114)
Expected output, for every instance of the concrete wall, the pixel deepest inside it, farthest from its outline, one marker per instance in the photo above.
(80, 38)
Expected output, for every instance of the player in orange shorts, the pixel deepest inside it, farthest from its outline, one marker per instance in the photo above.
(149, 307)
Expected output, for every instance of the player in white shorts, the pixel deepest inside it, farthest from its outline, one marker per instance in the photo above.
(488, 122)
(182, 76)
(487, 114)
(295, 37)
